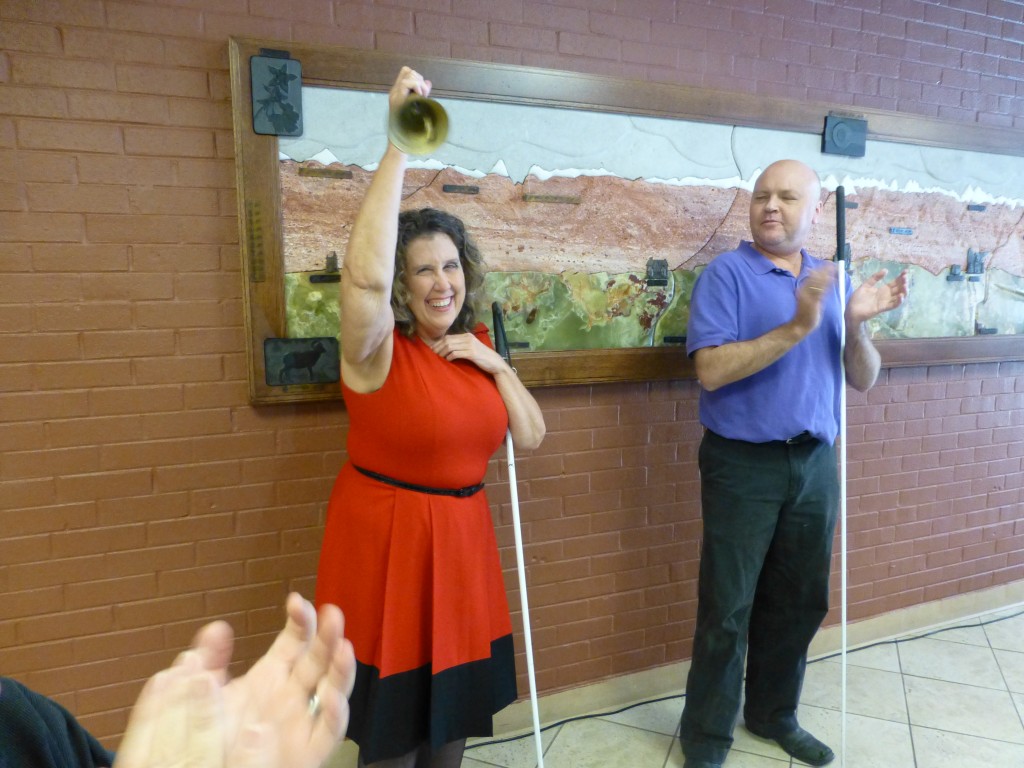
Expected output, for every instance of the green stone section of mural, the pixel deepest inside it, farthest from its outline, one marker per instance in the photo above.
(1003, 309)
(576, 310)
(570, 311)
(672, 323)
(991, 302)
(311, 309)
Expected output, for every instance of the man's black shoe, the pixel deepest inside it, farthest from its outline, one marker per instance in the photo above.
(802, 745)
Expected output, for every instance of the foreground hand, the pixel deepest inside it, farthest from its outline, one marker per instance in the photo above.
(177, 720)
(304, 660)
(185, 716)
(874, 297)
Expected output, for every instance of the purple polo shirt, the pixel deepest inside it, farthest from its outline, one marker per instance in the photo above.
(741, 295)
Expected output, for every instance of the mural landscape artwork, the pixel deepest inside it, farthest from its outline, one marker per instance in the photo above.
(599, 261)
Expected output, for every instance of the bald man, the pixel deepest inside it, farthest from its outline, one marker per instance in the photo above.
(765, 338)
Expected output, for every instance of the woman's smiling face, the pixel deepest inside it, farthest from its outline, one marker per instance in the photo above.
(436, 284)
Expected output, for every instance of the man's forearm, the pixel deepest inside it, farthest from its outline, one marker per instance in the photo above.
(728, 363)
(861, 358)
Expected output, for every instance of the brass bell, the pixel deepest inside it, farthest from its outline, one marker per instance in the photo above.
(419, 126)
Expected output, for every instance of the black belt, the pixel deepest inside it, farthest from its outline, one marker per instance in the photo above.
(461, 493)
(803, 437)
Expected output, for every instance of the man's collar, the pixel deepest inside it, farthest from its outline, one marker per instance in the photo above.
(760, 264)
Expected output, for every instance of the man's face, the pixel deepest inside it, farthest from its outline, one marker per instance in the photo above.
(784, 207)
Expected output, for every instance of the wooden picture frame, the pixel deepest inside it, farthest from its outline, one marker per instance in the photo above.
(256, 159)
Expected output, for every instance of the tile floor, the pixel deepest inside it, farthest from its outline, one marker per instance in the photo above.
(951, 698)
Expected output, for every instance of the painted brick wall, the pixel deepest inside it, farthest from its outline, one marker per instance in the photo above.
(140, 494)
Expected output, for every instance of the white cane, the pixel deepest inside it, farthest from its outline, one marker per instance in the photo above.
(501, 345)
(841, 263)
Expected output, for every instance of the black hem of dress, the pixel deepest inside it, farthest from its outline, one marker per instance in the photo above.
(414, 707)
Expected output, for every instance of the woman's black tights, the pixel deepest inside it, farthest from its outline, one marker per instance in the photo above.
(448, 756)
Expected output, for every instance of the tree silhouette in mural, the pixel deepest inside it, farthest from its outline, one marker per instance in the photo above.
(275, 106)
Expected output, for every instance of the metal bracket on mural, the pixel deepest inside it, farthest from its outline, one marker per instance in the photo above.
(975, 264)
(325, 173)
(975, 268)
(657, 272)
(461, 189)
(330, 273)
(531, 197)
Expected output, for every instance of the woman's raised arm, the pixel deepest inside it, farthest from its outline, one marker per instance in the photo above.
(366, 316)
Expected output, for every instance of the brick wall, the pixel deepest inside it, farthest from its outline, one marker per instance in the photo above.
(141, 495)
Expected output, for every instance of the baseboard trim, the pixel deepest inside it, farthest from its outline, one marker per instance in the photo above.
(917, 618)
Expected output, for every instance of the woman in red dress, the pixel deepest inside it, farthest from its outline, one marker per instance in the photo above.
(409, 552)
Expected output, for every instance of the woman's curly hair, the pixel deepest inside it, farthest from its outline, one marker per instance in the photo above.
(425, 222)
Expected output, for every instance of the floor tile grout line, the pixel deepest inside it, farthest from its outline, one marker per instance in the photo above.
(1004, 689)
(897, 643)
(904, 675)
(991, 739)
(1002, 672)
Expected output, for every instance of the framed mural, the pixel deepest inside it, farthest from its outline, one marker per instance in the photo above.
(597, 201)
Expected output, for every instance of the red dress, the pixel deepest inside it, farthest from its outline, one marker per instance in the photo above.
(417, 574)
